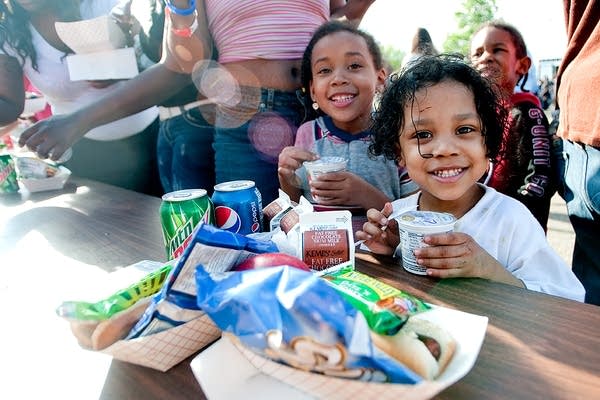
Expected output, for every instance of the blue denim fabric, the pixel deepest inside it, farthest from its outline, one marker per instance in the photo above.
(250, 136)
(580, 188)
(185, 153)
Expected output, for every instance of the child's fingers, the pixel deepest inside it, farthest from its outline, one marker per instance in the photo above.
(446, 239)
(445, 272)
(376, 217)
(440, 252)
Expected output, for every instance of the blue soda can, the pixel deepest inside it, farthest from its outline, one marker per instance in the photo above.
(238, 207)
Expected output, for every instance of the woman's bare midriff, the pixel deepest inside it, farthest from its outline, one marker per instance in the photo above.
(276, 74)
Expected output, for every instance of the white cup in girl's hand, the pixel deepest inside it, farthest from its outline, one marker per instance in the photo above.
(324, 165)
(412, 226)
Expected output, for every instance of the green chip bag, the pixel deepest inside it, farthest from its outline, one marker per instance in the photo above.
(385, 308)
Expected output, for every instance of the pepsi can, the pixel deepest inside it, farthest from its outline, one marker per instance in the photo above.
(238, 207)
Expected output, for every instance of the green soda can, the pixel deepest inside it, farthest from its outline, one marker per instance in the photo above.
(8, 175)
(180, 213)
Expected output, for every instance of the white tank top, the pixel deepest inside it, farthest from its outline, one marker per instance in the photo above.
(66, 96)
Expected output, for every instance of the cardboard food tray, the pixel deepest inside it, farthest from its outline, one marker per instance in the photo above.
(165, 349)
(162, 350)
(53, 183)
(244, 374)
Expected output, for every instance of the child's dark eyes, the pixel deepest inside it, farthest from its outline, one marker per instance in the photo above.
(479, 53)
(423, 135)
(464, 129)
(427, 135)
(355, 66)
(322, 71)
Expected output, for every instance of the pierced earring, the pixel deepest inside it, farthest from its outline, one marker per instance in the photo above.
(315, 106)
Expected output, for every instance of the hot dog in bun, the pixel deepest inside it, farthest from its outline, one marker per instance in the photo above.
(421, 345)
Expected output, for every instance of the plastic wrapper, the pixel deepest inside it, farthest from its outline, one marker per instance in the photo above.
(172, 327)
(218, 250)
(118, 301)
(385, 307)
(296, 318)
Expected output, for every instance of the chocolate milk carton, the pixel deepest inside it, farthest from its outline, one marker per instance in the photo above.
(326, 240)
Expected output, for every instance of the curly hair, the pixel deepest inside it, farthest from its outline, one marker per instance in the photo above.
(389, 118)
(14, 28)
(329, 28)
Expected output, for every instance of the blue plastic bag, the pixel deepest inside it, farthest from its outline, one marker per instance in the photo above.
(294, 317)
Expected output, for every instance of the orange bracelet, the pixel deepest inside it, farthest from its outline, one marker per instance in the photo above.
(183, 32)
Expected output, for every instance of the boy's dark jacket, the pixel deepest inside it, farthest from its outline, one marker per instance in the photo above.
(526, 168)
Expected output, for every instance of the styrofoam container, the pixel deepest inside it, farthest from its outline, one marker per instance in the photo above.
(413, 225)
(54, 183)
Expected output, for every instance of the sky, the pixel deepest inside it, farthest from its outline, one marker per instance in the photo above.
(541, 22)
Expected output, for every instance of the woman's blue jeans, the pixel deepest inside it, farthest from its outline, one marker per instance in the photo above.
(250, 135)
(580, 188)
(185, 153)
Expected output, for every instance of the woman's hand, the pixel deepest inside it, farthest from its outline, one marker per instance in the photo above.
(456, 254)
(51, 137)
(380, 235)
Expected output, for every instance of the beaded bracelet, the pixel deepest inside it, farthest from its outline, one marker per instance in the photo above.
(184, 32)
(182, 11)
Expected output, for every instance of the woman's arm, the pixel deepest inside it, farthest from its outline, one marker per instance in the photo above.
(12, 91)
(56, 134)
(180, 52)
(351, 10)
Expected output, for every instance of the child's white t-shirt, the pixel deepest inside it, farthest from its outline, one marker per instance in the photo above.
(507, 230)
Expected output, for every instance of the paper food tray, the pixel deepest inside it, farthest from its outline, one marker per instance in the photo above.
(54, 183)
(168, 348)
(91, 35)
(227, 370)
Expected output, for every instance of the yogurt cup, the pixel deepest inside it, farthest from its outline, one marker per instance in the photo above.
(413, 226)
(324, 165)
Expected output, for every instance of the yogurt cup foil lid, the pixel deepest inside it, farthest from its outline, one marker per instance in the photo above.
(428, 220)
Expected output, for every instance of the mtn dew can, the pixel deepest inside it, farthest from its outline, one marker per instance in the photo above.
(8, 175)
(180, 213)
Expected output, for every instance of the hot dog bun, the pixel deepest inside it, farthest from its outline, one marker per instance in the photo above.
(421, 345)
(95, 335)
(118, 326)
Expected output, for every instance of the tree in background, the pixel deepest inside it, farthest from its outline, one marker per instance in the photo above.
(392, 56)
(473, 15)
